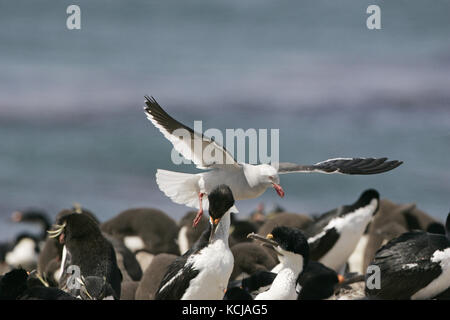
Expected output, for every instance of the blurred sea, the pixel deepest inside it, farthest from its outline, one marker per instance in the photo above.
(72, 127)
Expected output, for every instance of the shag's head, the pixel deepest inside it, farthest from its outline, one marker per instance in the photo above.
(287, 242)
(368, 197)
(221, 200)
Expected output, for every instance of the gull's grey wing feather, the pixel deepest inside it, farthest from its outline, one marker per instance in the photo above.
(343, 165)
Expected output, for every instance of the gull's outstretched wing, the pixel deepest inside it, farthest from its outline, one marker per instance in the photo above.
(343, 165)
(215, 156)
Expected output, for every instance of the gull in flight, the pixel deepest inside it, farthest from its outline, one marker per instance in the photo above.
(246, 181)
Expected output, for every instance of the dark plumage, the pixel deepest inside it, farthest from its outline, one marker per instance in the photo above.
(292, 240)
(88, 249)
(237, 293)
(126, 260)
(436, 227)
(346, 166)
(51, 252)
(317, 282)
(128, 291)
(4, 248)
(17, 285)
(187, 234)
(44, 293)
(50, 259)
(153, 275)
(410, 263)
(292, 220)
(390, 222)
(240, 229)
(292, 248)
(51, 255)
(97, 288)
(178, 288)
(156, 229)
(250, 258)
(254, 282)
(13, 284)
(182, 273)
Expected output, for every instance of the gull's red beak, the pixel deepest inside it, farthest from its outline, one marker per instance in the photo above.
(278, 189)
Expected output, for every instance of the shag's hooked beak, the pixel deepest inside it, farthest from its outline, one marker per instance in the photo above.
(266, 241)
(278, 189)
(214, 224)
(58, 231)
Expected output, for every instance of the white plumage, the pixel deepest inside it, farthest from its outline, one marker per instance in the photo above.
(284, 286)
(245, 180)
(440, 283)
(350, 227)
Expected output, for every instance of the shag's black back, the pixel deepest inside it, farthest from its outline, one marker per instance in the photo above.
(317, 282)
(176, 289)
(406, 260)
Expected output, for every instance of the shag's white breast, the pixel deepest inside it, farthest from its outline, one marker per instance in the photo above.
(215, 263)
(283, 287)
(350, 227)
(356, 259)
(442, 282)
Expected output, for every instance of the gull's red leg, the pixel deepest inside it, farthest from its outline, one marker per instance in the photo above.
(200, 211)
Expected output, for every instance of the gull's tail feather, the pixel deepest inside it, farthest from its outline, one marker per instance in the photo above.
(182, 188)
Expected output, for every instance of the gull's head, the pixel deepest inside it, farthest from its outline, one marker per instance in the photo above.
(269, 176)
(263, 175)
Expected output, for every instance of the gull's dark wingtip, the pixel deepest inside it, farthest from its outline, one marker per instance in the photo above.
(384, 166)
(150, 101)
(363, 165)
(396, 163)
